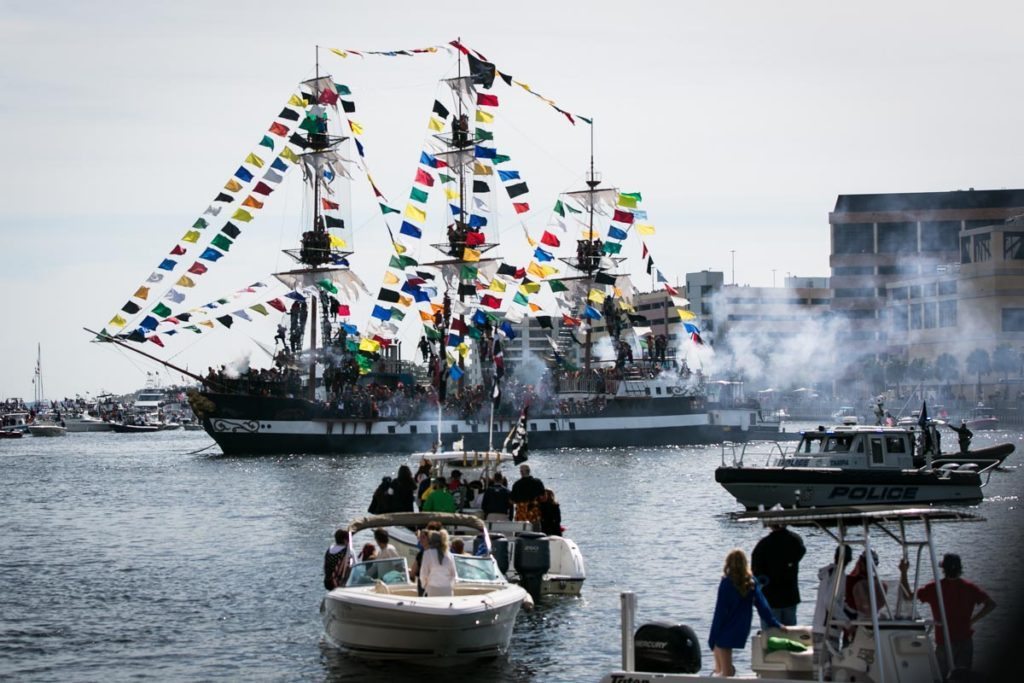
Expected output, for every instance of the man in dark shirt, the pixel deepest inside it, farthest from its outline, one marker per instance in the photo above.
(497, 505)
(775, 562)
(525, 493)
(334, 560)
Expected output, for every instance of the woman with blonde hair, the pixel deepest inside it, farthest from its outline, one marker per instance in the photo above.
(437, 573)
(738, 594)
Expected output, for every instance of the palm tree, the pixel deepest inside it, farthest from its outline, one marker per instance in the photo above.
(978, 363)
(919, 369)
(946, 368)
(1005, 360)
(896, 372)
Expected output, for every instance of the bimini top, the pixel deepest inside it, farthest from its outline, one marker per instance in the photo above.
(417, 519)
(856, 514)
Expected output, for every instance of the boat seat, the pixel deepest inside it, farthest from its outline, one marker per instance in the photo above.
(782, 663)
(381, 587)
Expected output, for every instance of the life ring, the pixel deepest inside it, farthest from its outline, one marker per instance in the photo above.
(677, 391)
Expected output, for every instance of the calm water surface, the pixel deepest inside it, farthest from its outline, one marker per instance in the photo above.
(131, 556)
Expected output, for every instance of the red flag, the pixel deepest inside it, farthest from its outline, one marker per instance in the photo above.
(490, 301)
(569, 321)
(458, 46)
(424, 178)
(487, 100)
(523, 207)
(178, 250)
(438, 163)
(262, 188)
(278, 304)
(197, 268)
(623, 217)
(520, 273)
(343, 310)
(328, 96)
(644, 254)
(474, 239)
(550, 240)
(328, 204)
(671, 290)
(277, 129)
(156, 340)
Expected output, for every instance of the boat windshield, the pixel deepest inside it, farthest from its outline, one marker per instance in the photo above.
(838, 444)
(390, 571)
(477, 569)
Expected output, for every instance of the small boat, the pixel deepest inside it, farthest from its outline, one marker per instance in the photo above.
(47, 429)
(138, 423)
(978, 457)
(893, 645)
(982, 417)
(5, 434)
(848, 465)
(86, 423)
(17, 421)
(379, 614)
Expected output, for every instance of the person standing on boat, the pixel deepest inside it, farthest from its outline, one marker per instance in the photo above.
(964, 434)
(440, 499)
(497, 506)
(776, 563)
(403, 489)
(550, 514)
(385, 549)
(961, 598)
(738, 595)
(334, 560)
(525, 493)
(437, 573)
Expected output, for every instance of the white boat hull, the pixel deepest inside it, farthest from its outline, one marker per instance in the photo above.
(46, 430)
(439, 631)
(76, 426)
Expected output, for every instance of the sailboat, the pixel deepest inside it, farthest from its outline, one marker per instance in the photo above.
(46, 422)
(348, 390)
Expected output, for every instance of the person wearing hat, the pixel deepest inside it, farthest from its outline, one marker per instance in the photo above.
(961, 598)
(964, 434)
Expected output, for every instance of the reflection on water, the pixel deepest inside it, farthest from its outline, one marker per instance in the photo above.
(125, 555)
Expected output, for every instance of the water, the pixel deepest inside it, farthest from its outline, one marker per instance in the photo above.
(128, 556)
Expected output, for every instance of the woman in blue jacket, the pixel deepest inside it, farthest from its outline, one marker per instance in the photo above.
(738, 594)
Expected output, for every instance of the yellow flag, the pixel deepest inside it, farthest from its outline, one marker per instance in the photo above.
(535, 270)
(118, 321)
(588, 234)
(627, 200)
(484, 117)
(470, 254)
(259, 308)
(356, 128)
(532, 242)
(415, 213)
(451, 193)
(185, 281)
(191, 236)
(242, 215)
(645, 228)
(297, 101)
(141, 293)
(254, 160)
(497, 285)
(369, 345)
(337, 242)
(288, 154)
(463, 349)
(399, 247)
(340, 53)
(232, 185)
(206, 323)
(685, 314)
(523, 86)
(530, 287)
(548, 270)
(481, 169)
(390, 278)
(436, 124)
(406, 301)
(596, 296)
(253, 202)
(616, 291)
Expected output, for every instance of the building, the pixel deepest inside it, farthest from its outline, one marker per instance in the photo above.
(881, 240)
(700, 290)
(770, 312)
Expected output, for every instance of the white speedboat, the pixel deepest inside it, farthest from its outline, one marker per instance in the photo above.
(87, 423)
(982, 417)
(893, 645)
(379, 614)
(850, 465)
(47, 427)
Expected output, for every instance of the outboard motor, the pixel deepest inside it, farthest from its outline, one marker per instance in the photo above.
(499, 550)
(532, 561)
(660, 647)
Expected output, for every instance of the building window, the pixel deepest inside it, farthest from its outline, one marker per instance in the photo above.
(897, 238)
(965, 250)
(947, 287)
(982, 248)
(853, 270)
(915, 291)
(929, 315)
(939, 235)
(899, 319)
(915, 316)
(1013, 320)
(860, 314)
(898, 293)
(1013, 246)
(821, 302)
(855, 293)
(928, 290)
(897, 270)
(947, 314)
(853, 238)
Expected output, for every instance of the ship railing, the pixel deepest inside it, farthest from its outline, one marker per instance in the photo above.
(770, 452)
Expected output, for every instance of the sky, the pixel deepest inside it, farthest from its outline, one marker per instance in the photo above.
(740, 123)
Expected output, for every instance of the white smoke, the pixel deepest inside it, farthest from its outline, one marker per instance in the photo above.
(238, 367)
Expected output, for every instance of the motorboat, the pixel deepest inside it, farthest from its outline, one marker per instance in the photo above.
(379, 614)
(85, 422)
(893, 645)
(16, 421)
(982, 417)
(5, 434)
(138, 423)
(848, 465)
(47, 429)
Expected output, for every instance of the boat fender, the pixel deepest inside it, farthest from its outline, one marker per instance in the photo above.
(660, 647)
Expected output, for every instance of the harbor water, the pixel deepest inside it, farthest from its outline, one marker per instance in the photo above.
(135, 556)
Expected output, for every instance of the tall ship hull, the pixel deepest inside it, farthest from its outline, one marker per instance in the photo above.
(253, 425)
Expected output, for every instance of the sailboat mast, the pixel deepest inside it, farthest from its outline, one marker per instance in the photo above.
(318, 227)
(592, 182)
(40, 394)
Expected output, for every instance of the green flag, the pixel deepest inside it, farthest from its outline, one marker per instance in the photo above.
(161, 311)
(221, 240)
(418, 195)
(557, 286)
(475, 333)
(432, 334)
(572, 210)
(200, 224)
(267, 142)
(560, 208)
(467, 273)
(343, 90)
(328, 285)
(397, 314)
(612, 247)
(445, 178)
(385, 209)
(501, 158)
(482, 134)
(520, 298)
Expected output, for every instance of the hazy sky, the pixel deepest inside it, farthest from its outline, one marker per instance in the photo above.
(739, 122)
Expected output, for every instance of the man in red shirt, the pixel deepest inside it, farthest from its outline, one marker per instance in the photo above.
(961, 598)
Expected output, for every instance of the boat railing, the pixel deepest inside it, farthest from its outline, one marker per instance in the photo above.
(738, 452)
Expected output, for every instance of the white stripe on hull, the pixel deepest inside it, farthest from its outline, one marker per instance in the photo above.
(823, 495)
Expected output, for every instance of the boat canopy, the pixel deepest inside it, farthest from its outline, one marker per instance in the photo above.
(417, 519)
(467, 458)
(857, 515)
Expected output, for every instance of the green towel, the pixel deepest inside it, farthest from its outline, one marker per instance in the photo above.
(776, 643)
